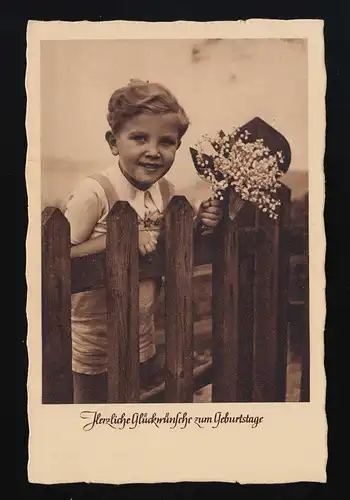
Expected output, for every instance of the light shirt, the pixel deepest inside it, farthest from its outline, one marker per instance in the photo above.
(88, 204)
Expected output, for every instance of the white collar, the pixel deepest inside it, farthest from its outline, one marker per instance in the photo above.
(127, 192)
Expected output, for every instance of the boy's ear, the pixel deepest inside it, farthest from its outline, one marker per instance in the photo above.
(110, 138)
(178, 144)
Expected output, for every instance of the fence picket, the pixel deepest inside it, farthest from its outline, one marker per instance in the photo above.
(271, 292)
(57, 383)
(246, 256)
(225, 309)
(122, 287)
(250, 257)
(265, 328)
(245, 319)
(178, 301)
(282, 252)
(305, 357)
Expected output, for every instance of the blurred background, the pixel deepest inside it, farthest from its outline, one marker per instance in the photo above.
(220, 83)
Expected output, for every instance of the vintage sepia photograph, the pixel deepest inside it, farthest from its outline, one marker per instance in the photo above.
(175, 209)
(175, 252)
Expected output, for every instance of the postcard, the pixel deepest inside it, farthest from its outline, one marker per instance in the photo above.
(175, 251)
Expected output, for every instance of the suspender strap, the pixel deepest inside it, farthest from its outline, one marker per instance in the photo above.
(109, 190)
(166, 189)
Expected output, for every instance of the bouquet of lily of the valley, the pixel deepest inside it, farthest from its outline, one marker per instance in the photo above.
(250, 160)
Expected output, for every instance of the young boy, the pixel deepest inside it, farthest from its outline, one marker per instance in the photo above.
(146, 126)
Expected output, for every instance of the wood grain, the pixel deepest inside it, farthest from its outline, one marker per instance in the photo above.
(122, 284)
(178, 301)
(251, 308)
(225, 310)
(282, 254)
(245, 320)
(57, 382)
(305, 357)
(271, 303)
(202, 377)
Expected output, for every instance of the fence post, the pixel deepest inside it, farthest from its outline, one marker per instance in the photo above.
(305, 354)
(246, 256)
(283, 251)
(271, 305)
(225, 310)
(178, 301)
(122, 288)
(57, 381)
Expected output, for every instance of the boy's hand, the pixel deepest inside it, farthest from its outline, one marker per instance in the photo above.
(147, 241)
(210, 213)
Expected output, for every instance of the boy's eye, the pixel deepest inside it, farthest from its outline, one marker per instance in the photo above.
(139, 138)
(168, 141)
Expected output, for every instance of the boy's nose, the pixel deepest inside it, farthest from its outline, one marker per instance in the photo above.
(152, 151)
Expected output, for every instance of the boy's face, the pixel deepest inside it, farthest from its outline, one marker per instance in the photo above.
(146, 145)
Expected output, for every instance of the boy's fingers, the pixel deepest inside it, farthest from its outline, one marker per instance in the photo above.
(215, 203)
(205, 204)
(212, 210)
(209, 222)
(148, 237)
(142, 250)
(211, 203)
(149, 247)
(208, 216)
(153, 237)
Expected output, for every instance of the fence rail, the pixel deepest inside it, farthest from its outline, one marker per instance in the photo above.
(250, 305)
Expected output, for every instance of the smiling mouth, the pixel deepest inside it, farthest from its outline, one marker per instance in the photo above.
(152, 167)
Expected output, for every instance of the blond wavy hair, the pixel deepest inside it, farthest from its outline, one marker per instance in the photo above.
(143, 97)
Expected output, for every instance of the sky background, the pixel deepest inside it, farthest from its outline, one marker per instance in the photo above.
(220, 83)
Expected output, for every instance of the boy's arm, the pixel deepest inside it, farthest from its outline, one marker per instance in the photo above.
(83, 211)
(147, 244)
(89, 247)
(208, 216)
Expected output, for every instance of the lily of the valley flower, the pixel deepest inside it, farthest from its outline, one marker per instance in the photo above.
(248, 167)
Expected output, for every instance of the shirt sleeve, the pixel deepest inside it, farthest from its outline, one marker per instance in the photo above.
(85, 207)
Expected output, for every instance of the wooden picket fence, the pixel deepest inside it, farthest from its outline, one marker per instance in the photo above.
(250, 306)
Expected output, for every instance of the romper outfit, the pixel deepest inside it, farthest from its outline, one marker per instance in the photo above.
(87, 211)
